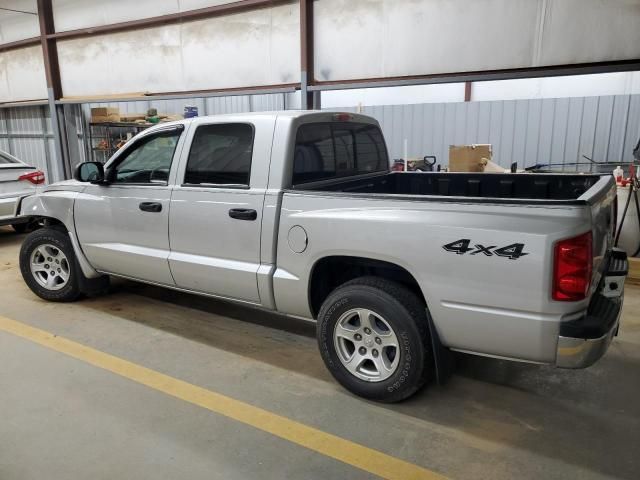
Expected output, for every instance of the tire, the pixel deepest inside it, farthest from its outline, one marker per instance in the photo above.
(20, 227)
(392, 309)
(50, 248)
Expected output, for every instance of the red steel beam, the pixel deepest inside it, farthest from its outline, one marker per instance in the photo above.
(27, 42)
(306, 52)
(482, 75)
(467, 91)
(49, 48)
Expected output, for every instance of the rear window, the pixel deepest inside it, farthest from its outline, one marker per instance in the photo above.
(332, 150)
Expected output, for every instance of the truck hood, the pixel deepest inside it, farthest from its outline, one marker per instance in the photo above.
(65, 185)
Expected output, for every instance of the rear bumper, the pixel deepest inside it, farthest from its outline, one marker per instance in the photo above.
(584, 340)
(9, 209)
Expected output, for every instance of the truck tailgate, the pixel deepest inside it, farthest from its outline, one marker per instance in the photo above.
(602, 200)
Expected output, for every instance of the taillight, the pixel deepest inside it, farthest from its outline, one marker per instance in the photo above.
(36, 177)
(573, 260)
(342, 117)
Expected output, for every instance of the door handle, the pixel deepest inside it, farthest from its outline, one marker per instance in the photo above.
(151, 207)
(243, 214)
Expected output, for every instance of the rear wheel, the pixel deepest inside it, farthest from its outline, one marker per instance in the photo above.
(48, 265)
(373, 338)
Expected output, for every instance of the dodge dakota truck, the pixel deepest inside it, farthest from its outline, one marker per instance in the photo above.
(299, 213)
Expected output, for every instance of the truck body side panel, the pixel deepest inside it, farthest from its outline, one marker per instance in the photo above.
(477, 300)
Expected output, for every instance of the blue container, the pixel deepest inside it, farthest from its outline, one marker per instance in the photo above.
(190, 111)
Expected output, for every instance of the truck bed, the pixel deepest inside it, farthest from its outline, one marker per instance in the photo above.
(526, 186)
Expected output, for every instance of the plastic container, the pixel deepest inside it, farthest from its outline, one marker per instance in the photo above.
(190, 111)
(618, 174)
(630, 235)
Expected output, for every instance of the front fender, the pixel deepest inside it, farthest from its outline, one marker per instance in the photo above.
(58, 205)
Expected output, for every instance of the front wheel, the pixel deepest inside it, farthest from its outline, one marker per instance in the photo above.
(373, 338)
(48, 265)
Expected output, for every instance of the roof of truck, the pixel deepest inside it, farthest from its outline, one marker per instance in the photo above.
(274, 114)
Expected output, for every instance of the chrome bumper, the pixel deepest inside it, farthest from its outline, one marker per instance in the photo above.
(584, 341)
(583, 352)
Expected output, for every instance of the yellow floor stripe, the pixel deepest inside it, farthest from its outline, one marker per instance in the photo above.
(351, 453)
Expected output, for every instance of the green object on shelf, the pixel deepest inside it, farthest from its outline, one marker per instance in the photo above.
(155, 119)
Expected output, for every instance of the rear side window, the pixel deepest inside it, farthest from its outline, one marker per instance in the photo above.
(331, 150)
(220, 155)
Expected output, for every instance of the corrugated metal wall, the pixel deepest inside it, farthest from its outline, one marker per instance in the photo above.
(206, 106)
(529, 132)
(25, 132)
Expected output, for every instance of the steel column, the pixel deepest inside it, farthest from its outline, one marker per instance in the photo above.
(467, 91)
(306, 54)
(54, 85)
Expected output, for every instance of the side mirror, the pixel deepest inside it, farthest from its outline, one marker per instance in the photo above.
(90, 172)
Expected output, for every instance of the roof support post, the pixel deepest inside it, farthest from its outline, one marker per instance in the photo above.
(306, 54)
(54, 85)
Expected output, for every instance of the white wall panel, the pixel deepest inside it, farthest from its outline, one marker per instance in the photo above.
(75, 14)
(377, 38)
(137, 61)
(22, 75)
(253, 48)
(386, 38)
(582, 31)
(18, 26)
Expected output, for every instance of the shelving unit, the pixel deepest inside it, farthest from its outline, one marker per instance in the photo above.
(105, 138)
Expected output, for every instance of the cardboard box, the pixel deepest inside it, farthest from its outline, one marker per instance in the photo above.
(105, 114)
(469, 158)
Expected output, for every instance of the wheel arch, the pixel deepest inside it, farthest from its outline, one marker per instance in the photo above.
(330, 272)
(55, 209)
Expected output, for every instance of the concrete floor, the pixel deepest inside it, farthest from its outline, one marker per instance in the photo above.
(65, 419)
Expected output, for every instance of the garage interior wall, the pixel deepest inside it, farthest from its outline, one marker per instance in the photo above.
(259, 47)
(25, 132)
(528, 131)
(353, 40)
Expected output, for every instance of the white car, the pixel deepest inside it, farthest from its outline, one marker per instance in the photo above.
(17, 180)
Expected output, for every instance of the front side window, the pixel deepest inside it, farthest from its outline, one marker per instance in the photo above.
(332, 150)
(148, 160)
(220, 155)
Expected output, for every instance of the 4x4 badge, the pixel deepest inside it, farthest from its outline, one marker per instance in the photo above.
(462, 246)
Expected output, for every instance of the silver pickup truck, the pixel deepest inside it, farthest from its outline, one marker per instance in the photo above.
(297, 212)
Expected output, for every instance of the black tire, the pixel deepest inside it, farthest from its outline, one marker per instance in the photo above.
(404, 312)
(20, 227)
(60, 240)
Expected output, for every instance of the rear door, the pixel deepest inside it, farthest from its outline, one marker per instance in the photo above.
(216, 209)
(123, 225)
(11, 187)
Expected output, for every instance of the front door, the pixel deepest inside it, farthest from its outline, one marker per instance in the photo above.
(123, 226)
(216, 214)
